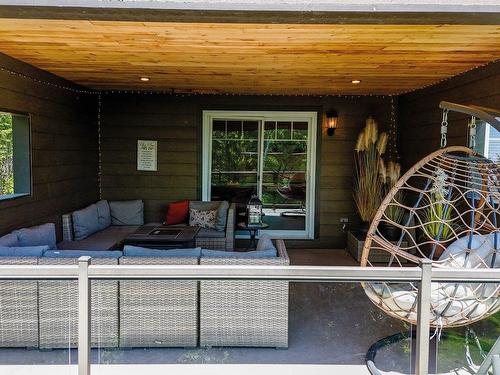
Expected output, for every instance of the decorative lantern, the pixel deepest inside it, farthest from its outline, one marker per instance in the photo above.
(331, 121)
(254, 211)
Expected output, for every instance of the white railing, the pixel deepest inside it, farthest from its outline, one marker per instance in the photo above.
(84, 272)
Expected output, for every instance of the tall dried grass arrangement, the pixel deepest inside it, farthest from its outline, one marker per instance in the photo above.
(368, 185)
(394, 211)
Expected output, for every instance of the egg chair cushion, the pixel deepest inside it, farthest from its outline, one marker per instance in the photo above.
(480, 254)
(451, 302)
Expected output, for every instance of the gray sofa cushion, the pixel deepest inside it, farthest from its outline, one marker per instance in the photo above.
(25, 251)
(9, 240)
(127, 212)
(137, 251)
(209, 233)
(102, 240)
(80, 253)
(221, 206)
(220, 225)
(270, 253)
(103, 214)
(44, 234)
(85, 222)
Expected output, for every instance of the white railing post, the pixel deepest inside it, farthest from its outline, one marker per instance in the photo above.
(488, 361)
(423, 318)
(83, 316)
(495, 361)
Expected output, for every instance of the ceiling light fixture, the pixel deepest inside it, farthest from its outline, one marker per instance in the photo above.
(144, 79)
(355, 81)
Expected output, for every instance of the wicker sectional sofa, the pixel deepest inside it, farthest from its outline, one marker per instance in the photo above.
(58, 308)
(245, 313)
(156, 313)
(110, 236)
(19, 308)
(152, 313)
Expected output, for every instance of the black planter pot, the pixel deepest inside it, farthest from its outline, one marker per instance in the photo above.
(390, 232)
(363, 228)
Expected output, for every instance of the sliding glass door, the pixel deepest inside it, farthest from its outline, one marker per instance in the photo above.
(271, 154)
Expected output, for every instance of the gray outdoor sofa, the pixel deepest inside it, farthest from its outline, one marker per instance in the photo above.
(104, 225)
(245, 313)
(152, 313)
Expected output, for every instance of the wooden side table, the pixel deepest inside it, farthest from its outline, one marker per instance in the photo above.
(253, 232)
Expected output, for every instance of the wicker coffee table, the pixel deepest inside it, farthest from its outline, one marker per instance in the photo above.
(163, 237)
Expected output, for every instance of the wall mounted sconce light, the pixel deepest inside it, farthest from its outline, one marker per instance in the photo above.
(331, 120)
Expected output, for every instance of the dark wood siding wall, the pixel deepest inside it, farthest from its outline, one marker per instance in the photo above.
(64, 147)
(420, 116)
(175, 122)
(65, 143)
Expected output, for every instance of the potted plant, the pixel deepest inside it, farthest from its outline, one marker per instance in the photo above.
(439, 226)
(368, 186)
(390, 175)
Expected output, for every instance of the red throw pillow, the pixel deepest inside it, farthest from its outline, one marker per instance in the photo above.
(177, 212)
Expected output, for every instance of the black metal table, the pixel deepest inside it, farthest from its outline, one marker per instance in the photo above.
(163, 237)
(253, 232)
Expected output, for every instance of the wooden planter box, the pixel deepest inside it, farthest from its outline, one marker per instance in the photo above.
(355, 248)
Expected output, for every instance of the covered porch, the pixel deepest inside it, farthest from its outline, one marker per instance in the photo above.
(165, 103)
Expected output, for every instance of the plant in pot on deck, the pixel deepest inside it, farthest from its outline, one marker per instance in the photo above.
(439, 215)
(395, 213)
(368, 186)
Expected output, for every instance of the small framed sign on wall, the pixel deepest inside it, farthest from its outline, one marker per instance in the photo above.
(147, 155)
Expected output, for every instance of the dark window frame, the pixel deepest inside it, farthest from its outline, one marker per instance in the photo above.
(10, 197)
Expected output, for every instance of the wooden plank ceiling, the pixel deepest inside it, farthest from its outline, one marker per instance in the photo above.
(250, 58)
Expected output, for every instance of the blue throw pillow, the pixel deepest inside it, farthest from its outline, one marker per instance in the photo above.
(136, 251)
(23, 251)
(104, 214)
(265, 243)
(85, 222)
(270, 253)
(81, 253)
(127, 212)
(9, 240)
(44, 234)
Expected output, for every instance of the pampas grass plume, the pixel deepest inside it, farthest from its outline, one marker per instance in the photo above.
(382, 143)
(371, 129)
(360, 143)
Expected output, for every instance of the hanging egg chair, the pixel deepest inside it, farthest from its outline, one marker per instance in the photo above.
(446, 209)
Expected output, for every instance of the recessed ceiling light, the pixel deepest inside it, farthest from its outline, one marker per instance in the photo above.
(356, 81)
(144, 79)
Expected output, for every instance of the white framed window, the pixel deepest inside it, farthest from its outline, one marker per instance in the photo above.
(487, 141)
(271, 154)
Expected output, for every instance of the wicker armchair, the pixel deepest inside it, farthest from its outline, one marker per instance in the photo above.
(58, 305)
(221, 243)
(158, 313)
(18, 308)
(245, 313)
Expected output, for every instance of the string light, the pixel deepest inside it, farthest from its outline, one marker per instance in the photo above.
(99, 151)
(393, 128)
(448, 78)
(47, 83)
(179, 93)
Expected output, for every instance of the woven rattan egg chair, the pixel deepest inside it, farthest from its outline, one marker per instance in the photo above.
(450, 202)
